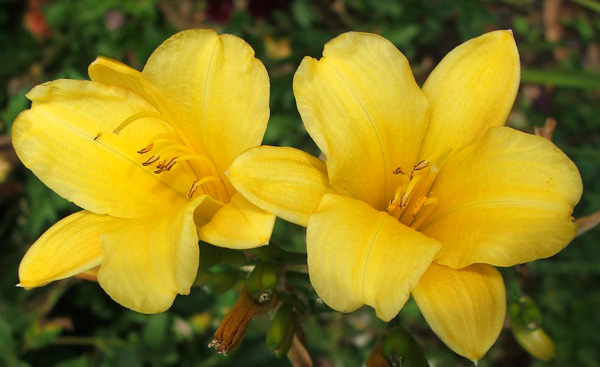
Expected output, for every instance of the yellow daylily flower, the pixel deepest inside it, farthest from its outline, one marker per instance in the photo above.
(423, 191)
(145, 155)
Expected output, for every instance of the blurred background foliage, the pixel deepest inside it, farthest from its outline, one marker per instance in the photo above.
(73, 323)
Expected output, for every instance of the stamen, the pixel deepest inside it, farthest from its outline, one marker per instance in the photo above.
(398, 171)
(395, 202)
(163, 166)
(418, 205)
(411, 186)
(151, 160)
(424, 213)
(137, 116)
(415, 191)
(175, 148)
(422, 164)
(146, 149)
(197, 183)
(404, 200)
(192, 189)
(203, 159)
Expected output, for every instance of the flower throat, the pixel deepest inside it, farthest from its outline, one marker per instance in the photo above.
(413, 200)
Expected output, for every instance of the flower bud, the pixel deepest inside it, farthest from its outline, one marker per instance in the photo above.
(262, 281)
(222, 280)
(282, 330)
(525, 319)
(530, 313)
(233, 328)
(395, 348)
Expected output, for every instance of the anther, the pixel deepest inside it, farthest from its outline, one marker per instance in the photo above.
(161, 164)
(146, 149)
(418, 205)
(164, 166)
(421, 165)
(151, 160)
(193, 189)
(404, 200)
(398, 171)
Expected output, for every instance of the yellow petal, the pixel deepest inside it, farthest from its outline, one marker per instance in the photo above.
(150, 260)
(504, 200)
(91, 275)
(206, 211)
(284, 181)
(472, 89)
(358, 255)
(239, 225)
(361, 105)
(465, 308)
(112, 72)
(216, 90)
(68, 248)
(67, 140)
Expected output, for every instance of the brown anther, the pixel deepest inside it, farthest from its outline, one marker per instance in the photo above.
(151, 160)
(404, 200)
(192, 189)
(233, 328)
(421, 165)
(161, 164)
(398, 171)
(391, 205)
(146, 149)
(170, 165)
(164, 166)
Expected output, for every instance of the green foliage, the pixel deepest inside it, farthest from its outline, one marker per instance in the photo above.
(73, 323)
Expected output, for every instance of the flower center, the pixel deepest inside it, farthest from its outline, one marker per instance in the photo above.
(166, 150)
(413, 200)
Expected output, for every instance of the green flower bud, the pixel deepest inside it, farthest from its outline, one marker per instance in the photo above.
(398, 348)
(222, 280)
(262, 281)
(396, 345)
(282, 330)
(530, 313)
(525, 319)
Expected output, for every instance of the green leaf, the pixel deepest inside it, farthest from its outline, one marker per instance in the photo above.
(590, 4)
(561, 78)
(7, 343)
(82, 361)
(302, 13)
(155, 331)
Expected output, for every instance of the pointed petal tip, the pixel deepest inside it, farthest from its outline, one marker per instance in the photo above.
(465, 308)
(28, 288)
